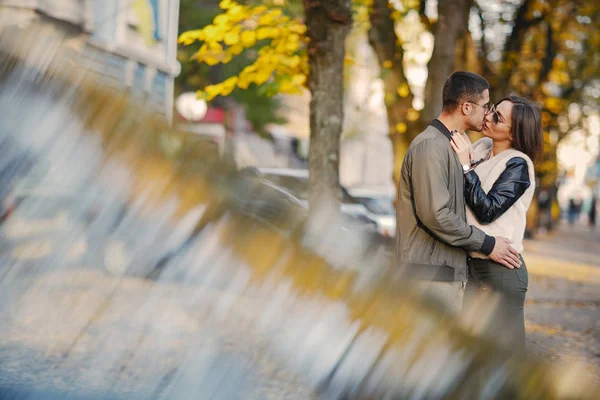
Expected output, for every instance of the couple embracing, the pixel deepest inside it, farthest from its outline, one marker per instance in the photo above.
(461, 207)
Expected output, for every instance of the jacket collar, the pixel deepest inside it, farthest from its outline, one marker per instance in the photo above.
(437, 124)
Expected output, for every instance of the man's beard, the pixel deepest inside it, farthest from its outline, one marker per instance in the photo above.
(477, 127)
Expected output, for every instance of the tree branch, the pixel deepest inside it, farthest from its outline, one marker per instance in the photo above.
(484, 53)
(382, 35)
(512, 47)
(515, 40)
(336, 10)
(549, 57)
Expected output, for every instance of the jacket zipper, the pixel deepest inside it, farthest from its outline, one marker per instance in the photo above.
(432, 248)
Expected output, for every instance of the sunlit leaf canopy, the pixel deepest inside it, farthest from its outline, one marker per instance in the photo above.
(540, 49)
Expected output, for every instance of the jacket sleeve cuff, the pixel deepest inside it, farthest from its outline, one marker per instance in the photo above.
(488, 245)
(471, 177)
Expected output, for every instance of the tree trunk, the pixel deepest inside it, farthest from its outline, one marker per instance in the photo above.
(387, 47)
(452, 23)
(465, 58)
(328, 23)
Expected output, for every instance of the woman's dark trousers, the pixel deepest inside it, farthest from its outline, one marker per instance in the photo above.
(508, 324)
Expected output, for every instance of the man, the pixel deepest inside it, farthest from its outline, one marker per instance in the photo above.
(432, 233)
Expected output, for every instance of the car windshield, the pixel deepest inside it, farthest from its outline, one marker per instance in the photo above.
(382, 206)
(298, 187)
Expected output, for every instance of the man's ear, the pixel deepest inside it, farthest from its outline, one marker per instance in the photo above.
(464, 107)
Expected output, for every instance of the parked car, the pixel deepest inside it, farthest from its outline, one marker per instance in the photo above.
(276, 207)
(293, 190)
(295, 181)
(380, 208)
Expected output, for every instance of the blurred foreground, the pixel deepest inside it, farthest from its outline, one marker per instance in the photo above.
(132, 269)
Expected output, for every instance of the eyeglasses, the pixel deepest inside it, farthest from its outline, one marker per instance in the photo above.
(486, 107)
(497, 117)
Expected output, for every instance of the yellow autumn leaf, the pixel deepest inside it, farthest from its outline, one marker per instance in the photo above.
(265, 19)
(287, 87)
(210, 60)
(248, 38)
(291, 47)
(226, 4)
(276, 12)
(231, 38)
(348, 61)
(259, 9)
(236, 49)
(262, 33)
(263, 75)
(213, 33)
(412, 115)
(387, 64)
(212, 91)
(401, 127)
(249, 68)
(403, 90)
(237, 13)
(228, 85)
(396, 15)
(215, 47)
(245, 80)
(545, 117)
(293, 62)
(553, 104)
(298, 28)
(190, 37)
(265, 58)
(298, 79)
(221, 19)
(275, 32)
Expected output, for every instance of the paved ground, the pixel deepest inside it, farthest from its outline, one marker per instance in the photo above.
(563, 302)
(563, 314)
(76, 332)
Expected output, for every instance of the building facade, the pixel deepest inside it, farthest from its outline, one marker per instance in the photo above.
(131, 43)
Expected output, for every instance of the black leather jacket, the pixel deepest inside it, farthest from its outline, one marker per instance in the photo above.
(507, 189)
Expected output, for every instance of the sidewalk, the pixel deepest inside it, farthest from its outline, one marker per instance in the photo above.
(563, 301)
(578, 243)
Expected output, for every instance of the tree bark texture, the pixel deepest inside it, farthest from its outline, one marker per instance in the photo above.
(387, 47)
(451, 26)
(328, 23)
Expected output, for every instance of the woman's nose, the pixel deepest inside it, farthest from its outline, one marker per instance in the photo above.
(490, 117)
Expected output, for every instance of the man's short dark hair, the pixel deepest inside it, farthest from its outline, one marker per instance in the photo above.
(462, 86)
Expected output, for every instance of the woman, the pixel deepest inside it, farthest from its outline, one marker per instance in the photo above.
(499, 188)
